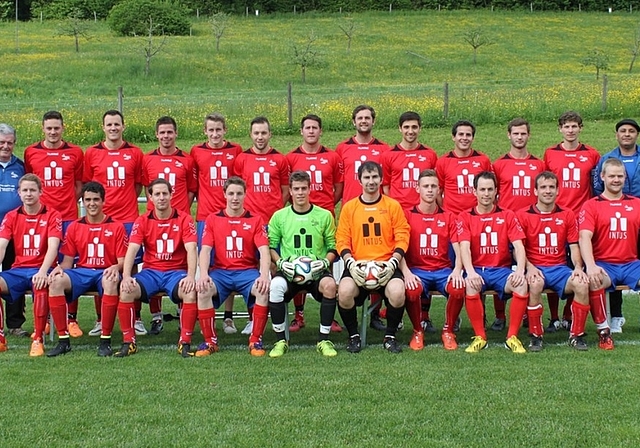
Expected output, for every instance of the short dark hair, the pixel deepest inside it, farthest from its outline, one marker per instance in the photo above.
(234, 180)
(408, 116)
(159, 181)
(545, 175)
(457, 124)
(361, 108)
(427, 173)
(369, 165)
(112, 113)
(260, 120)
(93, 187)
(30, 177)
(166, 120)
(52, 115)
(217, 117)
(570, 116)
(311, 117)
(299, 176)
(485, 175)
(518, 122)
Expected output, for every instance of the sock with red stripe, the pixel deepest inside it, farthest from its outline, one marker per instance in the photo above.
(260, 317)
(108, 312)
(40, 312)
(127, 318)
(58, 307)
(475, 311)
(516, 312)
(535, 320)
(207, 319)
(579, 321)
(188, 318)
(454, 305)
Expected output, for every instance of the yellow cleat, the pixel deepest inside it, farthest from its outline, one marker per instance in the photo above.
(477, 344)
(514, 344)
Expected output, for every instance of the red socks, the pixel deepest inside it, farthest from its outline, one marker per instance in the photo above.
(260, 317)
(554, 304)
(40, 312)
(188, 318)
(207, 319)
(535, 320)
(580, 313)
(58, 307)
(108, 313)
(475, 311)
(516, 312)
(499, 306)
(127, 318)
(598, 302)
(414, 306)
(454, 305)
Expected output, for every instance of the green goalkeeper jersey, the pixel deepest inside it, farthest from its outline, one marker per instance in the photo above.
(296, 234)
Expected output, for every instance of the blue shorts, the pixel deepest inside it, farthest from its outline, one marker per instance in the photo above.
(556, 278)
(496, 279)
(127, 228)
(622, 274)
(83, 280)
(433, 280)
(152, 282)
(19, 281)
(228, 281)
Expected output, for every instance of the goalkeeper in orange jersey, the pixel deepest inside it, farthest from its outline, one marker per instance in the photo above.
(372, 227)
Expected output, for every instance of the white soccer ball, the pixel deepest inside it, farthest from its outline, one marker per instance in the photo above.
(302, 270)
(371, 275)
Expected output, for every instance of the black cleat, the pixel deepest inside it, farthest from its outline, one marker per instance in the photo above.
(376, 323)
(104, 349)
(185, 350)
(355, 344)
(128, 348)
(156, 326)
(578, 343)
(535, 344)
(63, 347)
(391, 345)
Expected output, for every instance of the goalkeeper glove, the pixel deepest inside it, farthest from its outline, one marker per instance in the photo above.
(318, 267)
(357, 274)
(388, 268)
(286, 267)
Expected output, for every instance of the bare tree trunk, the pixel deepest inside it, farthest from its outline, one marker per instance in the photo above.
(633, 60)
(217, 43)
(304, 74)
(77, 43)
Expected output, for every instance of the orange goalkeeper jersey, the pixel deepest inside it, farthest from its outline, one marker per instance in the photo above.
(372, 231)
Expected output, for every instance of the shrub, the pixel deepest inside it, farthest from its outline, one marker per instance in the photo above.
(131, 17)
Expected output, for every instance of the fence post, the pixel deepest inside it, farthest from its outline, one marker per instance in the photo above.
(120, 100)
(604, 93)
(289, 105)
(445, 110)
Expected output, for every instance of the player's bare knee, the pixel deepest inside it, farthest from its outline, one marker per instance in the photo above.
(328, 287)
(188, 297)
(394, 291)
(277, 290)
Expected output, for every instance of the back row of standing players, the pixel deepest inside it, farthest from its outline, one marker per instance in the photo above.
(123, 169)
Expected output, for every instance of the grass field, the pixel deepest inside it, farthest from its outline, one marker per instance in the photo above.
(430, 398)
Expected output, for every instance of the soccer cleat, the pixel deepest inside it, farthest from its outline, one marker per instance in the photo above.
(248, 329)
(354, 345)
(37, 349)
(326, 348)
(297, 323)
(47, 329)
(74, 329)
(391, 345)
(104, 349)
(139, 328)
(185, 350)
(335, 327)
(616, 324)
(279, 349)
(128, 348)
(156, 326)
(554, 325)
(477, 344)
(417, 341)
(456, 326)
(514, 344)
(566, 324)
(449, 341)
(96, 330)
(578, 343)
(228, 326)
(605, 342)
(206, 349)
(498, 324)
(19, 332)
(427, 326)
(62, 348)
(377, 324)
(3, 347)
(535, 344)
(256, 349)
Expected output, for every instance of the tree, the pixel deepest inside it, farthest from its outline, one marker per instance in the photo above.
(635, 50)
(151, 45)
(74, 26)
(476, 38)
(219, 23)
(598, 59)
(305, 55)
(131, 17)
(349, 28)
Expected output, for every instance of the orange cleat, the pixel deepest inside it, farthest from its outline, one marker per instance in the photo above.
(417, 341)
(256, 349)
(449, 341)
(74, 329)
(37, 349)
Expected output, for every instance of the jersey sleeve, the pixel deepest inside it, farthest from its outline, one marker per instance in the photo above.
(137, 231)
(515, 231)
(586, 218)
(6, 227)
(275, 231)
(192, 176)
(440, 171)
(69, 246)
(387, 171)
(189, 234)
(453, 229)
(87, 172)
(572, 228)
(79, 168)
(260, 237)
(137, 174)
(343, 232)
(463, 227)
(401, 229)
(207, 234)
(122, 241)
(330, 233)
(284, 172)
(55, 225)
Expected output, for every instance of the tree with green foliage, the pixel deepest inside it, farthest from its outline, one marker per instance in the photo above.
(131, 18)
(305, 55)
(597, 59)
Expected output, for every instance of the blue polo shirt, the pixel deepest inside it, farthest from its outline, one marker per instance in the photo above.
(10, 174)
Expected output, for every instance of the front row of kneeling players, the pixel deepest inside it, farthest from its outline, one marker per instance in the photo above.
(410, 251)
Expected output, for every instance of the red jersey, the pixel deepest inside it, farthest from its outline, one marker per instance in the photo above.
(575, 171)
(456, 175)
(547, 235)
(265, 175)
(164, 240)
(235, 240)
(118, 171)
(516, 180)
(401, 169)
(30, 234)
(352, 154)
(490, 235)
(325, 169)
(615, 225)
(178, 168)
(431, 236)
(59, 169)
(97, 246)
(213, 168)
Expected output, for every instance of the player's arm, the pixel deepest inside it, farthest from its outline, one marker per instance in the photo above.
(67, 263)
(113, 272)
(456, 277)
(285, 194)
(411, 281)
(262, 283)
(578, 266)
(41, 279)
(129, 261)
(518, 278)
(473, 278)
(204, 258)
(191, 196)
(338, 189)
(78, 189)
(386, 189)
(3, 248)
(594, 272)
(188, 284)
(138, 189)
